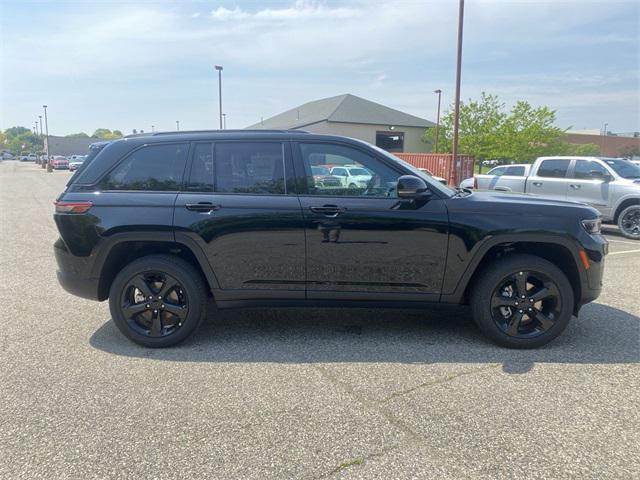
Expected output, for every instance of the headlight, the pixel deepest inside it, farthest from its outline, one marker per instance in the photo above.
(592, 226)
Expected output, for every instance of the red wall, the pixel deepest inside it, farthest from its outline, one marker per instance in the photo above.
(439, 164)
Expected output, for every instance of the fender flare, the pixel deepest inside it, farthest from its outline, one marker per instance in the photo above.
(107, 244)
(480, 250)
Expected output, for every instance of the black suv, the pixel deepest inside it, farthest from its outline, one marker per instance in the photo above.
(160, 222)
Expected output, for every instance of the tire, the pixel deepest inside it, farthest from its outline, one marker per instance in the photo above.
(353, 185)
(629, 222)
(154, 321)
(496, 301)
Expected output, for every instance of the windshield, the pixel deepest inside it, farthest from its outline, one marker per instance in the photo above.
(415, 171)
(359, 171)
(320, 170)
(624, 168)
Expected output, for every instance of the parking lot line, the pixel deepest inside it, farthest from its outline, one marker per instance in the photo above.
(621, 241)
(626, 251)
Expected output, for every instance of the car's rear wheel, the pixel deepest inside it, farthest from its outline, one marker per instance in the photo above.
(522, 301)
(629, 222)
(158, 301)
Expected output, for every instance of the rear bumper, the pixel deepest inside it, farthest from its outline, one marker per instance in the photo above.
(74, 273)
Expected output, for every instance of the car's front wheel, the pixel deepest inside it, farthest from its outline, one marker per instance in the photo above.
(629, 222)
(158, 301)
(522, 301)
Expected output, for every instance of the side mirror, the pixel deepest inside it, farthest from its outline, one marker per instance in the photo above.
(411, 187)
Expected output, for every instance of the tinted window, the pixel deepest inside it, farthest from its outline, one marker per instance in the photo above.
(379, 181)
(585, 167)
(250, 168)
(554, 168)
(201, 177)
(498, 172)
(515, 171)
(154, 167)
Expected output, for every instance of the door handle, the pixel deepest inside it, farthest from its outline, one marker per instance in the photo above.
(328, 210)
(537, 184)
(575, 187)
(202, 207)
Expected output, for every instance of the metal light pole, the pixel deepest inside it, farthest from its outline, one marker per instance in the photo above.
(224, 121)
(456, 114)
(439, 92)
(219, 69)
(178, 125)
(604, 140)
(46, 138)
(35, 129)
(153, 128)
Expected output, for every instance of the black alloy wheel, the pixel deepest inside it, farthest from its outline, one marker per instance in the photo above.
(629, 222)
(158, 301)
(526, 304)
(154, 304)
(522, 301)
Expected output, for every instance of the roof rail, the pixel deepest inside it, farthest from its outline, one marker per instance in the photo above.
(258, 130)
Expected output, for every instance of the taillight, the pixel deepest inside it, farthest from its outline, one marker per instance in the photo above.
(72, 207)
(475, 183)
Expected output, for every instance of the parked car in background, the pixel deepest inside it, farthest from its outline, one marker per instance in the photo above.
(439, 179)
(76, 161)
(7, 156)
(28, 157)
(58, 162)
(322, 177)
(611, 185)
(352, 176)
(149, 225)
(493, 179)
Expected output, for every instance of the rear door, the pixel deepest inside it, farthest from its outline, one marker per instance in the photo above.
(550, 180)
(239, 206)
(586, 187)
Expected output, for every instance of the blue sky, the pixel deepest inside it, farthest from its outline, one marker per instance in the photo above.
(129, 65)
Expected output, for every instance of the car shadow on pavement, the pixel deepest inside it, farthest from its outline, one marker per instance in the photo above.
(601, 335)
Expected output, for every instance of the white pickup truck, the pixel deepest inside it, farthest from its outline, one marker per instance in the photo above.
(611, 185)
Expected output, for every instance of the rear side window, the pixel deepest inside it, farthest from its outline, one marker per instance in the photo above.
(515, 171)
(251, 167)
(556, 168)
(201, 177)
(151, 168)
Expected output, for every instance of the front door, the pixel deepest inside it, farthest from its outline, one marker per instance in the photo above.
(587, 185)
(362, 243)
(550, 180)
(240, 209)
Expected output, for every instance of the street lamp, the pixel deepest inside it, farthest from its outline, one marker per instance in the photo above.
(153, 128)
(46, 138)
(219, 69)
(224, 121)
(456, 114)
(439, 92)
(178, 125)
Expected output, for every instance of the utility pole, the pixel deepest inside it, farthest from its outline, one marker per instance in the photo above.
(153, 128)
(178, 125)
(224, 121)
(46, 138)
(456, 114)
(439, 92)
(219, 69)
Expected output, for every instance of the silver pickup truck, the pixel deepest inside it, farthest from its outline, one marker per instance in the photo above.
(611, 185)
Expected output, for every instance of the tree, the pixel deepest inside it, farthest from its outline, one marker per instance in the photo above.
(584, 150)
(107, 134)
(15, 131)
(77, 135)
(488, 132)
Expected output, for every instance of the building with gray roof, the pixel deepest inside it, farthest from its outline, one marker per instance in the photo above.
(355, 117)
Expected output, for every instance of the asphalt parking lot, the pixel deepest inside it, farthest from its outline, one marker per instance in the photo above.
(303, 394)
